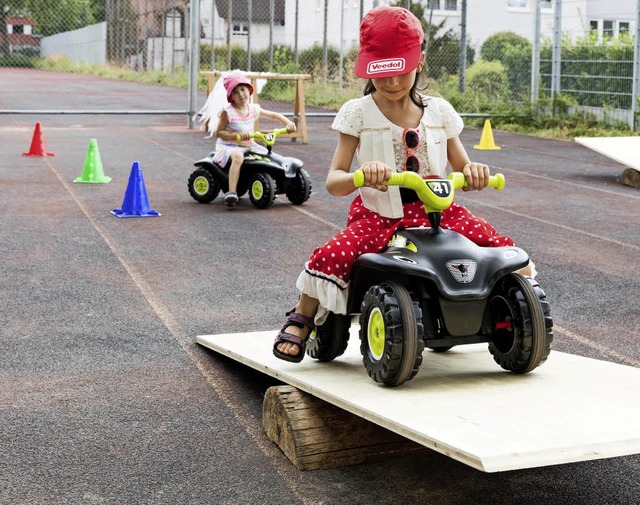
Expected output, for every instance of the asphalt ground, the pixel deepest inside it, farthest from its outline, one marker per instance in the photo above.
(106, 398)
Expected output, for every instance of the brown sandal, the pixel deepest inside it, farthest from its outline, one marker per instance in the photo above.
(295, 319)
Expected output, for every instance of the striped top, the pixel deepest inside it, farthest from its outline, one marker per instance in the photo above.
(238, 123)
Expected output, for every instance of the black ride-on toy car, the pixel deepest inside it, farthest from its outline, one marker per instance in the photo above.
(263, 175)
(435, 288)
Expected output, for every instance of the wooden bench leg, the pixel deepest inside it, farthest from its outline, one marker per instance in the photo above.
(299, 117)
(314, 434)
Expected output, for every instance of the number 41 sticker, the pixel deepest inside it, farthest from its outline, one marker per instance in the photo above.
(440, 188)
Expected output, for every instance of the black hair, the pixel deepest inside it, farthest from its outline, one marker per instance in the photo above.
(414, 91)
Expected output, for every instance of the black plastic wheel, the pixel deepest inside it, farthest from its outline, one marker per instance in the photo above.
(262, 190)
(520, 317)
(329, 340)
(300, 190)
(203, 186)
(391, 334)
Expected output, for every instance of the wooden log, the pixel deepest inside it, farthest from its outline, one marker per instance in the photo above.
(314, 434)
(631, 177)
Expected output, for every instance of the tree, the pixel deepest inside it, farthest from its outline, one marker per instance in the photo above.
(514, 52)
(9, 8)
(61, 15)
(99, 10)
(51, 17)
(443, 47)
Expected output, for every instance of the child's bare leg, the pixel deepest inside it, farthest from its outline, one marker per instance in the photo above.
(306, 306)
(237, 157)
(528, 271)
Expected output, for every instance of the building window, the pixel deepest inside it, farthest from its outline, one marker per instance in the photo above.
(18, 29)
(433, 4)
(520, 4)
(623, 27)
(608, 28)
(451, 5)
(240, 28)
(546, 4)
(173, 23)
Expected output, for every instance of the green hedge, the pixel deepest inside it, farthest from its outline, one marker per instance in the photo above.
(598, 75)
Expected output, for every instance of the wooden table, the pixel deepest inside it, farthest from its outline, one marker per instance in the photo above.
(299, 118)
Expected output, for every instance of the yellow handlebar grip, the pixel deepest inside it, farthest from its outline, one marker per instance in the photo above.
(396, 179)
(358, 178)
(497, 181)
(459, 181)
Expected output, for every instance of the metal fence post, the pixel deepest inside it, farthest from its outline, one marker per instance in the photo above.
(463, 46)
(271, 35)
(249, 30)
(229, 28)
(194, 59)
(340, 71)
(295, 41)
(636, 70)
(535, 57)
(324, 42)
(556, 63)
(213, 32)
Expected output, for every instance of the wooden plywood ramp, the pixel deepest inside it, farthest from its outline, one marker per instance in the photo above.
(460, 404)
(625, 150)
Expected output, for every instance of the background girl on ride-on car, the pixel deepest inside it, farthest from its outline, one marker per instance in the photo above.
(238, 118)
(392, 128)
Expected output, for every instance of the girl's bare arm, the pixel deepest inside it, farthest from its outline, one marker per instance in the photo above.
(477, 174)
(276, 116)
(221, 130)
(340, 181)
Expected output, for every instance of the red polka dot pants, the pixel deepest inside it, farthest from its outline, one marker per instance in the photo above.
(367, 231)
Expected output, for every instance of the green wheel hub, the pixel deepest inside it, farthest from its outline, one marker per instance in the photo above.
(257, 190)
(201, 185)
(376, 333)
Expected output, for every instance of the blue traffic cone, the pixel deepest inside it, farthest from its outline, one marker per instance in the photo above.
(135, 203)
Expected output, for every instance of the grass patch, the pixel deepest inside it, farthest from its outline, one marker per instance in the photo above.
(332, 96)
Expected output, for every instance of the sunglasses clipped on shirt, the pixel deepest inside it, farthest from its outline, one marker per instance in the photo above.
(411, 139)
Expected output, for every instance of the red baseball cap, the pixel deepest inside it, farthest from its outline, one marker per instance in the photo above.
(390, 43)
(233, 79)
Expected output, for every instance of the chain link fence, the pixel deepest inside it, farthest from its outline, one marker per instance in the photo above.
(480, 66)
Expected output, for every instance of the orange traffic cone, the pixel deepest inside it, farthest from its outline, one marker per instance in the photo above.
(38, 148)
(486, 139)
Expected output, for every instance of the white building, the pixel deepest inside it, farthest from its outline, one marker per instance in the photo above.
(484, 18)
(309, 24)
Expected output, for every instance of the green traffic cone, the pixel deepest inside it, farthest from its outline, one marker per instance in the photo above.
(92, 173)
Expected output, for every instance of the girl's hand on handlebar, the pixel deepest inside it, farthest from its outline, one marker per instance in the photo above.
(376, 174)
(291, 127)
(244, 135)
(477, 176)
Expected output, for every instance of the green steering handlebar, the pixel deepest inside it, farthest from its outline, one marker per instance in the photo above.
(435, 193)
(268, 138)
